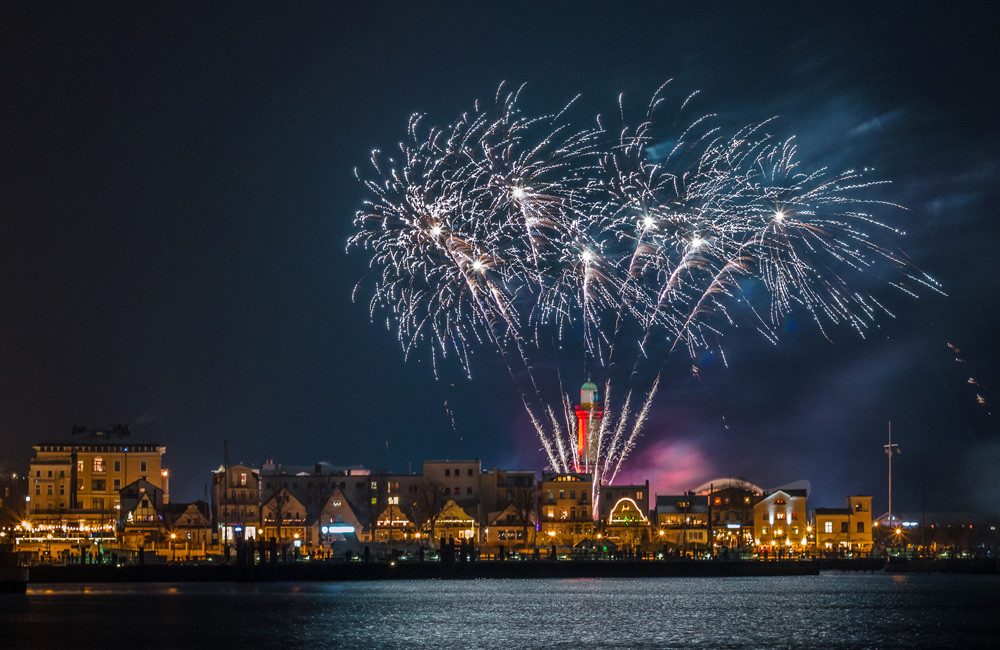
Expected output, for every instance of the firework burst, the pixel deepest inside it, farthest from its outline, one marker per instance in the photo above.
(544, 241)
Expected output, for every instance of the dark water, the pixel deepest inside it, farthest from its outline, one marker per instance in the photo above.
(828, 611)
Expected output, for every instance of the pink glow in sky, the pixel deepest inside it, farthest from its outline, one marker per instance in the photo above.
(672, 466)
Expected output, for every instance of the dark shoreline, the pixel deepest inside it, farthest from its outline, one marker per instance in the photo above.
(487, 570)
(413, 571)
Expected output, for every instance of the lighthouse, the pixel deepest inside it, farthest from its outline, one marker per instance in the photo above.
(588, 418)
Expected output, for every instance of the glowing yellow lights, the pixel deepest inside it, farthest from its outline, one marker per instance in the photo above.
(517, 193)
(552, 533)
(174, 535)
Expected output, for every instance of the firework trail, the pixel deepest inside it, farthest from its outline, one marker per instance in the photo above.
(611, 248)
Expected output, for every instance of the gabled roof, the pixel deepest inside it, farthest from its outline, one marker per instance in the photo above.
(395, 515)
(344, 506)
(494, 517)
(452, 512)
(291, 496)
(189, 514)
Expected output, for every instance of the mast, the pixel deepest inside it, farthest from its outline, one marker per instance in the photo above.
(890, 449)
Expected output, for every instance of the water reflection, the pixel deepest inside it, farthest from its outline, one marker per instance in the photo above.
(831, 610)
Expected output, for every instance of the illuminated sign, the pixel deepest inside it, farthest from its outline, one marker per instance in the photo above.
(732, 526)
(337, 529)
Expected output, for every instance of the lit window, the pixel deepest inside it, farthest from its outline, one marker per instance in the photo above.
(828, 527)
(98, 464)
(243, 478)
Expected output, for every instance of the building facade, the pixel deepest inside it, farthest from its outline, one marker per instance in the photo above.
(843, 530)
(780, 525)
(74, 485)
(565, 511)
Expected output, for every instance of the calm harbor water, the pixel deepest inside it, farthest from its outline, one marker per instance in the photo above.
(832, 610)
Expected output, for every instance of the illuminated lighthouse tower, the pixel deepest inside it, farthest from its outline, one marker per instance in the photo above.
(588, 418)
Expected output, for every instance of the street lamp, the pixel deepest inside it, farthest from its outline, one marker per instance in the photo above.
(173, 547)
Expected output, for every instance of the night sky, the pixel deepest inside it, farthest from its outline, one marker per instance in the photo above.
(178, 189)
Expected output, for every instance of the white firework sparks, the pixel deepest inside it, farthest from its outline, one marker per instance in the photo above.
(525, 234)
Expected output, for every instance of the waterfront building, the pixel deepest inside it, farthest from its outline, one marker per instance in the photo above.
(840, 530)
(393, 525)
(565, 509)
(623, 512)
(142, 519)
(236, 499)
(284, 518)
(511, 528)
(780, 524)
(459, 477)
(731, 502)
(189, 530)
(74, 484)
(508, 508)
(453, 522)
(501, 487)
(681, 523)
(336, 521)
